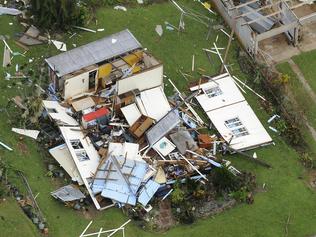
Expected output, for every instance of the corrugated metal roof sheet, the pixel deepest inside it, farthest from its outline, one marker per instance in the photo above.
(165, 125)
(121, 175)
(93, 52)
(68, 194)
(123, 182)
(147, 192)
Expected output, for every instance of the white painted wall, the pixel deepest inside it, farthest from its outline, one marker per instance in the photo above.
(76, 85)
(141, 81)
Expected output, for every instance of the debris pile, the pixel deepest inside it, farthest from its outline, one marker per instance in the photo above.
(124, 141)
(126, 152)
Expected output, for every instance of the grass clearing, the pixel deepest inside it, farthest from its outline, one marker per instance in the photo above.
(286, 193)
(14, 221)
(303, 101)
(306, 62)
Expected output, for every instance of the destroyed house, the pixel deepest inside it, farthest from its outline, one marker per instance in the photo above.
(270, 29)
(230, 113)
(118, 58)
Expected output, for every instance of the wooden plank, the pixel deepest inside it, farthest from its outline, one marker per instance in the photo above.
(21, 45)
(258, 9)
(242, 5)
(261, 18)
(272, 14)
(308, 19)
(276, 31)
(226, 52)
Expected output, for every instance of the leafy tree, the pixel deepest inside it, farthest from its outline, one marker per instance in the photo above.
(58, 14)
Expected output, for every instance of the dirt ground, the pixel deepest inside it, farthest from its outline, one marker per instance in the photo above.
(277, 49)
(165, 219)
(312, 179)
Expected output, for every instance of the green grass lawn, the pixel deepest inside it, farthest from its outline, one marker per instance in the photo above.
(303, 101)
(307, 63)
(13, 221)
(287, 192)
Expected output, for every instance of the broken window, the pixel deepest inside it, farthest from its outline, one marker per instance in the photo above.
(76, 144)
(79, 150)
(82, 155)
(51, 110)
(92, 76)
(213, 91)
(236, 127)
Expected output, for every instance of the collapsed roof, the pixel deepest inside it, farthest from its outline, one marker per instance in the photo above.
(121, 175)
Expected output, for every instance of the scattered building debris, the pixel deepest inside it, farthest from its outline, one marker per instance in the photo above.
(68, 194)
(230, 113)
(6, 146)
(60, 45)
(31, 37)
(85, 29)
(122, 140)
(109, 233)
(27, 132)
(273, 129)
(183, 141)
(6, 56)
(9, 11)
(273, 118)
(122, 8)
(19, 102)
(159, 30)
(62, 155)
(83, 104)
(147, 192)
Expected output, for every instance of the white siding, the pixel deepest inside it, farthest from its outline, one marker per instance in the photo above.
(76, 85)
(142, 81)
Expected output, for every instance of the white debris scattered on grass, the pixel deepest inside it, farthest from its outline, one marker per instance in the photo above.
(273, 129)
(122, 8)
(85, 29)
(8, 76)
(26, 132)
(6, 146)
(9, 11)
(273, 118)
(169, 28)
(60, 45)
(159, 30)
